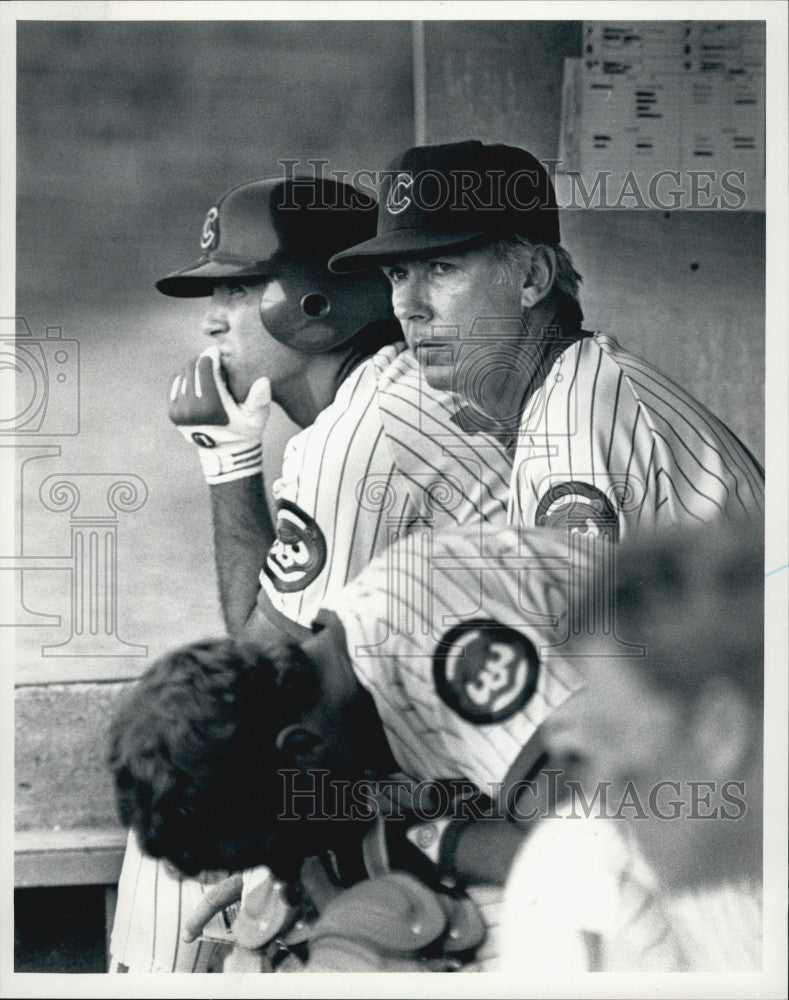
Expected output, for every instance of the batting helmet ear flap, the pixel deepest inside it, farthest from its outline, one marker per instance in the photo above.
(288, 306)
(294, 310)
(314, 304)
(308, 308)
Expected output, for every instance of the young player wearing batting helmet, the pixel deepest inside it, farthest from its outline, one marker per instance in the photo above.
(378, 456)
(487, 296)
(282, 329)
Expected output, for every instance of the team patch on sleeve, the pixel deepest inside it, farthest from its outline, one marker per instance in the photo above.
(299, 552)
(576, 505)
(485, 671)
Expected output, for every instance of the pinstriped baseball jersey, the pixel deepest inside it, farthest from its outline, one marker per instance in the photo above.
(385, 457)
(607, 435)
(580, 899)
(152, 903)
(450, 643)
(580, 894)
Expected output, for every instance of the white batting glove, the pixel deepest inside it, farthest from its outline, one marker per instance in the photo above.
(228, 435)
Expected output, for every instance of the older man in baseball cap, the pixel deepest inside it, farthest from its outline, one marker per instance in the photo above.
(468, 235)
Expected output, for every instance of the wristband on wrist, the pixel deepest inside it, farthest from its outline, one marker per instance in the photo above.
(438, 842)
(222, 463)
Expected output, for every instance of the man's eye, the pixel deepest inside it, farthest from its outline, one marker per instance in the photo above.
(441, 267)
(395, 274)
(237, 290)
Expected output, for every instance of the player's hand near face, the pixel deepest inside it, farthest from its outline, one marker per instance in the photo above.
(228, 434)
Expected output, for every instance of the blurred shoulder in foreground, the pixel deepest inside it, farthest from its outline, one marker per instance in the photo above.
(655, 859)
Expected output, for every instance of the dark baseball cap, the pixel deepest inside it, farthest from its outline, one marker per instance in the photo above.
(255, 226)
(454, 197)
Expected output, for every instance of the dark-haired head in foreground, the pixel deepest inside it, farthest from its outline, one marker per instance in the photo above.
(199, 748)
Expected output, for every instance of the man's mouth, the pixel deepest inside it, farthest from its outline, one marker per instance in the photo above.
(226, 362)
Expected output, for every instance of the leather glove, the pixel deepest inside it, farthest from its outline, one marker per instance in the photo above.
(379, 925)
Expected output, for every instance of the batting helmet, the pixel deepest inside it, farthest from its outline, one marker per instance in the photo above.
(284, 230)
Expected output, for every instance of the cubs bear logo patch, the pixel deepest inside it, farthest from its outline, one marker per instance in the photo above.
(485, 671)
(577, 506)
(299, 552)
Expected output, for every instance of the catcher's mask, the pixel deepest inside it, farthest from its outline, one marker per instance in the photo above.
(280, 233)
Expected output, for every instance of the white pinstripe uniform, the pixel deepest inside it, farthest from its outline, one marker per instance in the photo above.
(153, 901)
(608, 434)
(454, 646)
(447, 638)
(580, 898)
(383, 459)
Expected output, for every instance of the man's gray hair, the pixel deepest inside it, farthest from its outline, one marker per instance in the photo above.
(517, 252)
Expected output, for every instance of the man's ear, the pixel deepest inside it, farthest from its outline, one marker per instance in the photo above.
(541, 277)
(724, 729)
(305, 747)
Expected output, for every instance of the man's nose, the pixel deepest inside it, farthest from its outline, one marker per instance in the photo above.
(411, 300)
(215, 319)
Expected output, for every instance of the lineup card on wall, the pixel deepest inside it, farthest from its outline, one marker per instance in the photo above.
(660, 114)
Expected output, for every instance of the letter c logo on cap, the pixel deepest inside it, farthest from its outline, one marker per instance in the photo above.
(397, 200)
(210, 234)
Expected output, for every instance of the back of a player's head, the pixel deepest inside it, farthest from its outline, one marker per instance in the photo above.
(194, 757)
(695, 599)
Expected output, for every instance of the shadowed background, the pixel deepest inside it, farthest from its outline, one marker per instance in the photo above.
(127, 134)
